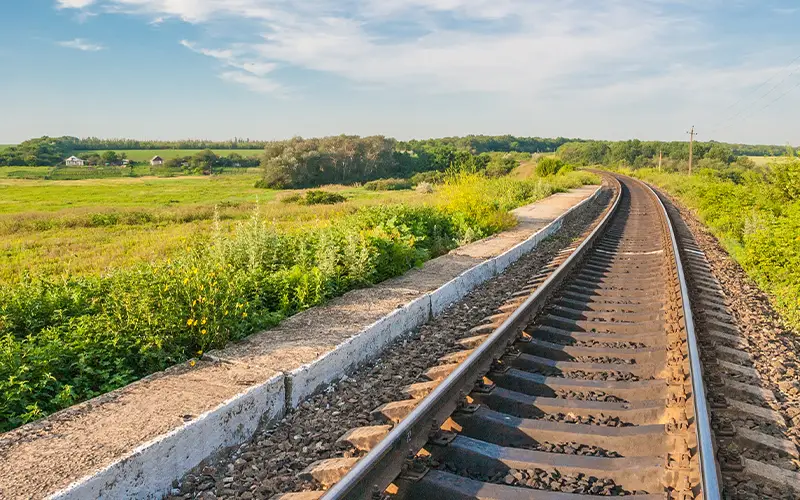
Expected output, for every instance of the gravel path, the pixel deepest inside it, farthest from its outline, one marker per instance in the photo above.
(270, 462)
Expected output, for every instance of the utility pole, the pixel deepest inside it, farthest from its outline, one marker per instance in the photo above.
(660, 156)
(691, 148)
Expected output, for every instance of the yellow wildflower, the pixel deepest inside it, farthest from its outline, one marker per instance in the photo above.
(192, 363)
(203, 322)
(189, 322)
(185, 280)
(244, 315)
(203, 331)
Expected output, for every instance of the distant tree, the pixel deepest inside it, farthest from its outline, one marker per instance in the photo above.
(745, 162)
(720, 152)
(110, 157)
(205, 162)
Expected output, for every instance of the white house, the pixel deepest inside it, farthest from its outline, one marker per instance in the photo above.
(74, 161)
(157, 160)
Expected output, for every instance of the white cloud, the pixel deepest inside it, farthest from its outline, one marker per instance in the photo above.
(252, 73)
(73, 4)
(252, 82)
(518, 47)
(81, 44)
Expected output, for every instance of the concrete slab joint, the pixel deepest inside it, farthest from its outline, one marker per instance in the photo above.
(149, 470)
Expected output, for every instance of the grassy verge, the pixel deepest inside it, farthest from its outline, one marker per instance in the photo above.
(66, 340)
(756, 217)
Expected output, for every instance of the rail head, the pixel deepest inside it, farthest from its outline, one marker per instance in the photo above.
(383, 464)
(708, 465)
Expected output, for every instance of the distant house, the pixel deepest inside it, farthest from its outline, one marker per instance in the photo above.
(74, 161)
(126, 162)
(157, 160)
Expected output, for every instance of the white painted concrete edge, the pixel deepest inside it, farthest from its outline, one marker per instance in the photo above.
(149, 470)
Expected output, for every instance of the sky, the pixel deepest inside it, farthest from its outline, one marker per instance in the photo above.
(272, 69)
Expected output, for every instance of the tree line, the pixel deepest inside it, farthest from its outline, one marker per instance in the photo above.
(673, 155)
(91, 143)
(345, 159)
(51, 151)
(301, 162)
(487, 144)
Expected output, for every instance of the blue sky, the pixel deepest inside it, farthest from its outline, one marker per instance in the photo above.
(267, 69)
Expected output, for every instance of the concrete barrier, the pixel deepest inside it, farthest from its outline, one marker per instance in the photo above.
(149, 470)
(304, 381)
(457, 288)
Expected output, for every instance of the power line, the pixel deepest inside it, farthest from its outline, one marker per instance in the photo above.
(774, 100)
(725, 121)
(749, 106)
(742, 98)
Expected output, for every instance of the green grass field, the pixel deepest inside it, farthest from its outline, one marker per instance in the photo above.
(766, 160)
(87, 226)
(147, 154)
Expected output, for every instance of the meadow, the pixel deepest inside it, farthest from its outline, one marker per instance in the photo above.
(762, 161)
(183, 283)
(69, 228)
(166, 154)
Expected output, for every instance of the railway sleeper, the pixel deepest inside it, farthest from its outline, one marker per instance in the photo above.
(559, 352)
(638, 473)
(504, 430)
(527, 406)
(535, 384)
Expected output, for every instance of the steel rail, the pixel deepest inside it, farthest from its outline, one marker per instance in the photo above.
(383, 464)
(705, 440)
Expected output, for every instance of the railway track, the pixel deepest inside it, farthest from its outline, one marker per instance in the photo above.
(586, 382)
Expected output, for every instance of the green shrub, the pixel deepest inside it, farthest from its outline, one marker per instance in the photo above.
(548, 165)
(502, 165)
(388, 185)
(315, 197)
(432, 177)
